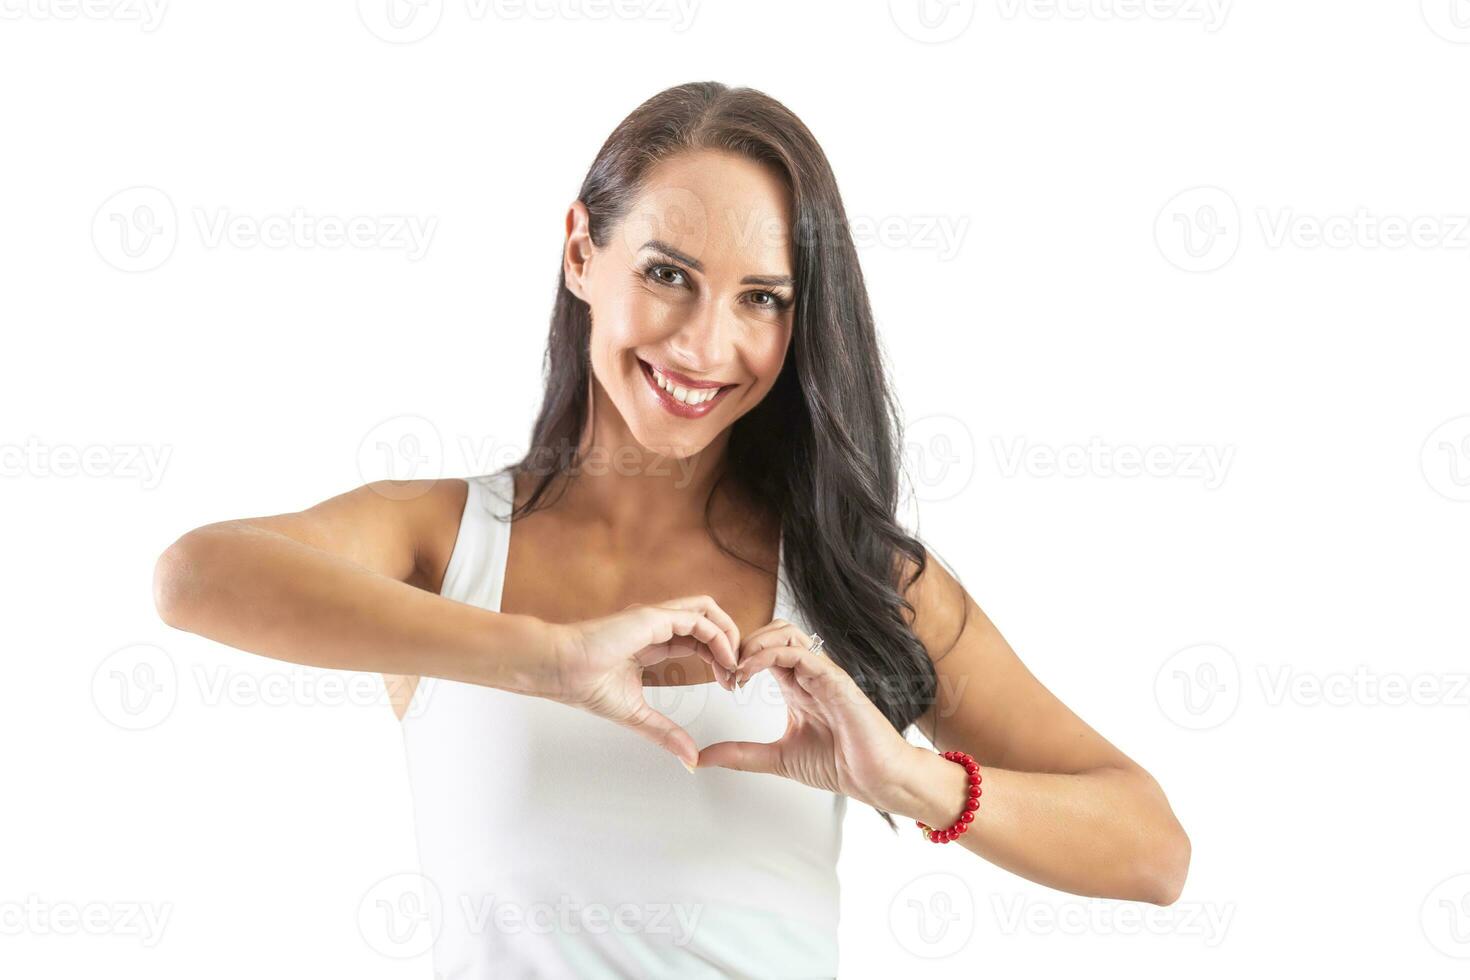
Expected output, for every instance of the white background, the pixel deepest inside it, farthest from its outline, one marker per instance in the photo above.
(1094, 232)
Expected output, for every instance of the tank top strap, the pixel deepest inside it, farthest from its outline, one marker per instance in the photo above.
(786, 606)
(476, 570)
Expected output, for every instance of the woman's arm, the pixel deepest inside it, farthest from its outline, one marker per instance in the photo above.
(350, 583)
(1060, 805)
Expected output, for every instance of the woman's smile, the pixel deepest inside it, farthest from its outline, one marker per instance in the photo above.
(682, 400)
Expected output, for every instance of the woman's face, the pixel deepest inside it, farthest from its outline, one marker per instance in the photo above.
(691, 298)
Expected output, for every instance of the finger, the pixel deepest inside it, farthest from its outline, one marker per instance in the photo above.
(675, 645)
(744, 756)
(694, 621)
(669, 623)
(722, 675)
(708, 633)
(815, 673)
(706, 604)
(797, 698)
(777, 633)
(705, 639)
(774, 626)
(661, 731)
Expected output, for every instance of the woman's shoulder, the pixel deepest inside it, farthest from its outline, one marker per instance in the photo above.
(428, 514)
(941, 606)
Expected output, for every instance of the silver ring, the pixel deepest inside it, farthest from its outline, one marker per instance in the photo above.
(817, 642)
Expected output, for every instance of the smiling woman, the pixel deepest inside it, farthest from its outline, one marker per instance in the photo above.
(708, 244)
(733, 588)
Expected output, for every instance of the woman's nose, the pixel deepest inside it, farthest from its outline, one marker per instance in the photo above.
(702, 342)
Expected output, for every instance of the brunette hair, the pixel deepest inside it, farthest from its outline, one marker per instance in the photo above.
(822, 449)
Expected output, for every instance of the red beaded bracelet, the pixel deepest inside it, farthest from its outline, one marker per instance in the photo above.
(963, 823)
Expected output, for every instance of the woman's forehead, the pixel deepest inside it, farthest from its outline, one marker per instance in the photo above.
(712, 221)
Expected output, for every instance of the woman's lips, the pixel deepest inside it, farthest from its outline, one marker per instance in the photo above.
(672, 404)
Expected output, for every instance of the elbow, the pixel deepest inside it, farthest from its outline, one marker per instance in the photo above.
(173, 573)
(1165, 867)
(1161, 852)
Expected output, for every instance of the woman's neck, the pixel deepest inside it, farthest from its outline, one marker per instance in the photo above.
(637, 493)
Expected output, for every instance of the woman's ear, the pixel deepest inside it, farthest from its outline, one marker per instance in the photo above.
(577, 256)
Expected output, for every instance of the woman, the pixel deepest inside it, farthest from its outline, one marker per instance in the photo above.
(705, 563)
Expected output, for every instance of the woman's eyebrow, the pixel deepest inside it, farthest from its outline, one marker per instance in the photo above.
(659, 246)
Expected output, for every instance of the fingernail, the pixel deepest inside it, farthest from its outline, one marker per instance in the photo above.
(686, 765)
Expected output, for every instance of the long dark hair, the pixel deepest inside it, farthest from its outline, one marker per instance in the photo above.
(822, 449)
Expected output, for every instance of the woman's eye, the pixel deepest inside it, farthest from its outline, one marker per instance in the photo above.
(658, 273)
(669, 275)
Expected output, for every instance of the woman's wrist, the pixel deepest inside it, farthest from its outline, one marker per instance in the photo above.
(521, 654)
(931, 788)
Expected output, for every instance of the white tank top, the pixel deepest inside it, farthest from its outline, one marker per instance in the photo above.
(557, 844)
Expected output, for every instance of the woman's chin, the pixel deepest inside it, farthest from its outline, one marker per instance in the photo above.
(660, 446)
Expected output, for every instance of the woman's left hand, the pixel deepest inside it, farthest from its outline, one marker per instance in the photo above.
(836, 739)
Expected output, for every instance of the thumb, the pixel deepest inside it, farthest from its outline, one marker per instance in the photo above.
(744, 756)
(661, 731)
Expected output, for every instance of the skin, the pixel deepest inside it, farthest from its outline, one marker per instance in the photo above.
(353, 581)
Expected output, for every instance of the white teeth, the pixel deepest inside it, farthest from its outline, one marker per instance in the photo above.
(686, 395)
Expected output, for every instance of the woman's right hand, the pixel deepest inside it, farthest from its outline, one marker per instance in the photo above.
(599, 663)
